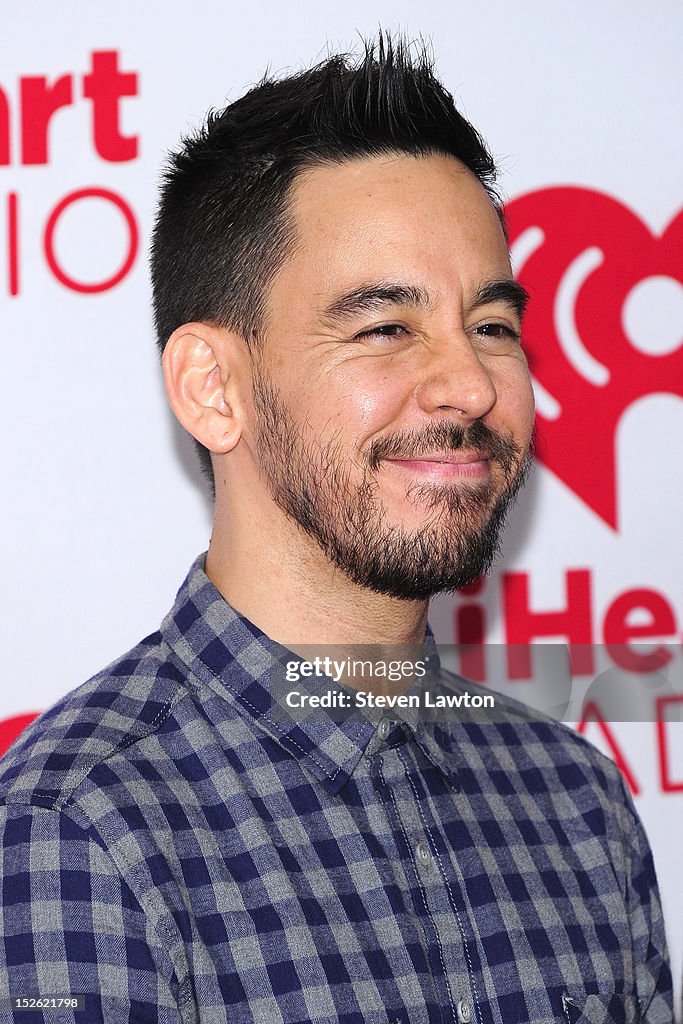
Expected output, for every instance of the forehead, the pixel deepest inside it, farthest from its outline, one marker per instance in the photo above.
(396, 214)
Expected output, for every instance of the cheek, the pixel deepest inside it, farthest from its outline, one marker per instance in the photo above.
(361, 404)
(375, 408)
(515, 403)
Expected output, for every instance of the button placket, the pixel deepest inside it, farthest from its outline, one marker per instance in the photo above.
(449, 970)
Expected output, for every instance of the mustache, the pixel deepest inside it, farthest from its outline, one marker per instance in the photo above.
(445, 437)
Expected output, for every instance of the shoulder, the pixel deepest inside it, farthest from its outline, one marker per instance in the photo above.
(120, 706)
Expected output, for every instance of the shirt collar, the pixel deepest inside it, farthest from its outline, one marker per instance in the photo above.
(231, 655)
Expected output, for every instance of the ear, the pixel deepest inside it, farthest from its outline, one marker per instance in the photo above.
(203, 366)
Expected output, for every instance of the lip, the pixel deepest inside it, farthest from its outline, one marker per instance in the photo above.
(446, 464)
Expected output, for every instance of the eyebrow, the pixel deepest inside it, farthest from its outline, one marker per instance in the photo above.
(510, 293)
(368, 298)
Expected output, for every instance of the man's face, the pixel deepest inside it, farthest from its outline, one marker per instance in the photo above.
(393, 407)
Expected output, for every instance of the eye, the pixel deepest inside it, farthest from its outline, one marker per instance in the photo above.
(382, 331)
(497, 331)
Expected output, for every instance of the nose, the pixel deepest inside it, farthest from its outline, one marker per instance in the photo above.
(454, 378)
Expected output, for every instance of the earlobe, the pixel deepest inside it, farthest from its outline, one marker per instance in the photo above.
(200, 385)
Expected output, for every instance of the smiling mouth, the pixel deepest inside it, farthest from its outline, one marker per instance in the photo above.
(463, 465)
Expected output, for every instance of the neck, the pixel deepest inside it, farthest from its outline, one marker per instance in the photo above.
(281, 580)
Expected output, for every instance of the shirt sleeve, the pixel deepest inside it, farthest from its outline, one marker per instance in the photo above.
(654, 982)
(70, 926)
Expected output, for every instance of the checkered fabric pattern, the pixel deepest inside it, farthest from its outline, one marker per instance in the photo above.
(174, 852)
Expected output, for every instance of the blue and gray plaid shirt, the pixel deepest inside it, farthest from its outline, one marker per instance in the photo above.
(173, 852)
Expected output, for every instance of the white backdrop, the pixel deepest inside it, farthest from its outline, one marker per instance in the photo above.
(103, 505)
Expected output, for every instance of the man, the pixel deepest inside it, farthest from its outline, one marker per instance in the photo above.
(341, 334)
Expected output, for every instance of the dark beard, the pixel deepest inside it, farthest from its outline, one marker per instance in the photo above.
(311, 484)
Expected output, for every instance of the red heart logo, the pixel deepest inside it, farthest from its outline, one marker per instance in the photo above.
(581, 253)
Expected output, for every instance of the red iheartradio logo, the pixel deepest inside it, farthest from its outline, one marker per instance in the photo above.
(582, 254)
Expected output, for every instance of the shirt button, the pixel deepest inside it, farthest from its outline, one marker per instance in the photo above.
(384, 729)
(464, 1011)
(423, 854)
